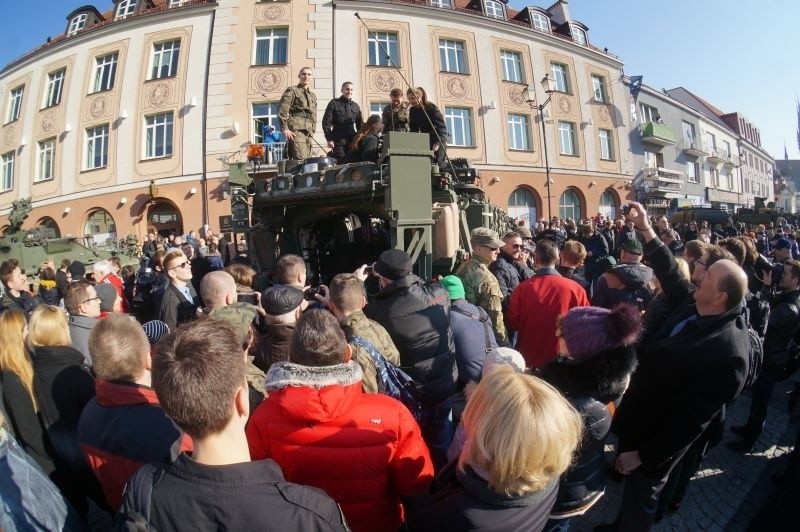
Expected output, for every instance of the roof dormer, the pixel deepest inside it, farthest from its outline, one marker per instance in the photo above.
(490, 8)
(82, 18)
(579, 33)
(538, 18)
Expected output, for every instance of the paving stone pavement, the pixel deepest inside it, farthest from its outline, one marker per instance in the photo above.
(730, 487)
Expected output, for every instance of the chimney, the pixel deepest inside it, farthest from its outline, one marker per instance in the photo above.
(560, 13)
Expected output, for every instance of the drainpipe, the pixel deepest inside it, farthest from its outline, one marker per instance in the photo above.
(204, 177)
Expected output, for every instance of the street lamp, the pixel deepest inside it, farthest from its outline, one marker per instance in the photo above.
(549, 88)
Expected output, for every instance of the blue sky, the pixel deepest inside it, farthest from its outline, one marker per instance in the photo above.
(740, 56)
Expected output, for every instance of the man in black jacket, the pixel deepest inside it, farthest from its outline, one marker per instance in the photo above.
(416, 316)
(696, 362)
(779, 349)
(179, 302)
(217, 487)
(341, 122)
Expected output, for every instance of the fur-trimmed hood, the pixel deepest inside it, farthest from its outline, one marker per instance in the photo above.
(603, 376)
(283, 374)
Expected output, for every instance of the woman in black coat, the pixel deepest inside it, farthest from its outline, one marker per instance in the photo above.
(425, 117)
(597, 359)
(502, 483)
(366, 143)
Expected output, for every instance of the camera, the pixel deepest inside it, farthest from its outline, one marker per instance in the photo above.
(369, 270)
(271, 128)
(251, 298)
(626, 209)
(310, 294)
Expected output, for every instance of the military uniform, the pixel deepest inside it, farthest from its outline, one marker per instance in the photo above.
(357, 324)
(482, 289)
(396, 120)
(298, 114)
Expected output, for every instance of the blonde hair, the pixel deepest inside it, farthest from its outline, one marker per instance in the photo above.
(13, 354)
(48, 326)
(520, 430)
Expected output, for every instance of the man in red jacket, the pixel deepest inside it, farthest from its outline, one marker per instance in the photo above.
(537, 303)
(124, 427)
(365, 450)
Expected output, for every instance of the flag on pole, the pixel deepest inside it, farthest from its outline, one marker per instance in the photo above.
(635, 85)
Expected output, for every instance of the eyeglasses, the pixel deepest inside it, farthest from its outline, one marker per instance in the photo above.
(700, 263)
(181, 265)
(95, 298)
(516, 246)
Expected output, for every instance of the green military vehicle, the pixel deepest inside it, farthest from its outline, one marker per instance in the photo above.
(339, 217)
(31, 247)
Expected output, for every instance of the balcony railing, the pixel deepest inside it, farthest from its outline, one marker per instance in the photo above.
(273, 154)
(693, 147)
(718, 155)
(656, 133)
(661, 180)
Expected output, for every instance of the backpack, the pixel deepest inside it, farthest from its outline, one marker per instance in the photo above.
(755, 351)
(392, 381)
(134, 515)
(640, 297)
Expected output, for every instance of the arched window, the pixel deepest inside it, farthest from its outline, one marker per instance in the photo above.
(49, 223)
(166, 218)
(522, 206)
(608, 205)
(99, 227)
(569, 205)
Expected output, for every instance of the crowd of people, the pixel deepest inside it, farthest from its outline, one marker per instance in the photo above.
(190, 394)
(349, 137)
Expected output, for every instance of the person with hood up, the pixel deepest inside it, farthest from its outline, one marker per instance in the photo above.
(630, 281)
(597, 358)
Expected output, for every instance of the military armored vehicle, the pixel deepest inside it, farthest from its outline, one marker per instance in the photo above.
(31, 247)
(339, 217)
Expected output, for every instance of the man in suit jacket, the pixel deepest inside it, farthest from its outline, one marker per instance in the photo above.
(180, 301)
(696, 362)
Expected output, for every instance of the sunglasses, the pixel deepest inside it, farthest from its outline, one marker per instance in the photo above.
(181, 265)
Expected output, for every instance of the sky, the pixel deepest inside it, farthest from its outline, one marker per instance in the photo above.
(738, 55)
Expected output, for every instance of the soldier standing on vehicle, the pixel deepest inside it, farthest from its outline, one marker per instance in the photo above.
(298, 115)
(480, 285)
(341, 121)
(395, 115)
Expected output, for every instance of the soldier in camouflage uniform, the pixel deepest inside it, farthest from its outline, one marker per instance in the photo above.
(395, 115)
(480, 285)
(298, 115)
(346, 300)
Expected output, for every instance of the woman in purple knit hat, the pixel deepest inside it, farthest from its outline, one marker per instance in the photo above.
(596, 358)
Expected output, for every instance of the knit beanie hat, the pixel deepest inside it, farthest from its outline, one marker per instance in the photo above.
(454, 286)
(589, 331)
(107, 294)
(155, 330)
(393, 264)
(503, 356)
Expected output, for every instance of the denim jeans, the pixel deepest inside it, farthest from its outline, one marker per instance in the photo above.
(29, 499)
(437, 431)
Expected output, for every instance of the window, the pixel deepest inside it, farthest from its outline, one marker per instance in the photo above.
(176, 3)
(440, 3)
(649, 113)
(569, 205)
(451, 56)
(45, 159)
(165, 59)
(105, 70)
(653, 160)
(264, 114)
(519, 134)
(125, 8)
(55, 84)
(459, 125)
(579, 35)
(376, 108)
(379, 45)
(7, 172)
(714, 177)
(540, 22)
(608, 205)
(271, 46)
(77, 23)
(711, 144)
(692, 172)
(511, 63)
(96, 147)
(522, 206)
(599, 89)
(566, 135)
(606, 145)
(158, 135)
(729, 177)
(726, 148)
(15, 104)
(559, 73)
(100, 227)
(688, 133)
(493, 9)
